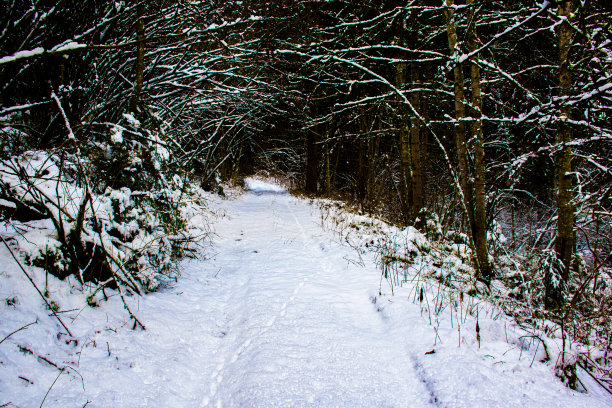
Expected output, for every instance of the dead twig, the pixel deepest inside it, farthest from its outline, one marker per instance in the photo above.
(57, 378)
(49, 390)
(18, 330)
(594, 378)
(127, 307)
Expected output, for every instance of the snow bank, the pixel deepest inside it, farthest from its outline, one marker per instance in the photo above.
(433, 271)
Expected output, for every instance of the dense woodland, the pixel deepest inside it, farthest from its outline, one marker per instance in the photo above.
(486, 117)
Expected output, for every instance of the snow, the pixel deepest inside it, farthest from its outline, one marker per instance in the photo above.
(161, 152)
(278, 312)
(261, 186)
(67, 46)
(22, 54)
(43, 172)
(541, 8)
(117, 134)
(132, 120)
(66, 121)
(594, 92)
(8, 204)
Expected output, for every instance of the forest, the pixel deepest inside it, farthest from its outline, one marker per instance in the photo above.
(479, 122)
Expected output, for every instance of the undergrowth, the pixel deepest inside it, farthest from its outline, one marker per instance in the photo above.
(437, 267)
(108, 211)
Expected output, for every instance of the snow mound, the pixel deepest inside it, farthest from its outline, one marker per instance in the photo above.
(259, 186)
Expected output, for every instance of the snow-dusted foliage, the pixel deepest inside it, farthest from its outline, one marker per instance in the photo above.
(403, 251)
(433, 262)
(92, 185)
(117, 219)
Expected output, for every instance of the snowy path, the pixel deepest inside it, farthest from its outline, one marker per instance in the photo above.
(301, 329)
(279, 315)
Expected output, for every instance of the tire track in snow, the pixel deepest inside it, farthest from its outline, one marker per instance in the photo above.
(218, 374)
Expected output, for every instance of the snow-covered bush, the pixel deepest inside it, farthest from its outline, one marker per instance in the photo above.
(428, 223)
(115, 218)
(128, 154)
(496, 239)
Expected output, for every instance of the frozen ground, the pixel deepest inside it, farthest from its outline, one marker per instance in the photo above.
(277, 314)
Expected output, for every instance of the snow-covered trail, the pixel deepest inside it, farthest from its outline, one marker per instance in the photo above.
(278, 314)
(300, 327)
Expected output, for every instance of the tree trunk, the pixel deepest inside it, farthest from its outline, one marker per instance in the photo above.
(312, 162)
(405, 189)
(327, 168)
(417, 156)
(362, 175)
(564, 243)
(460, 140)
(140, 39)
(479, 227)
(373, 150)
